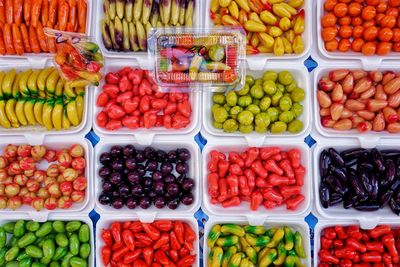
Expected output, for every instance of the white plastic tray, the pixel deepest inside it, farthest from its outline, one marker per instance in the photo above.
(55, 217)
(36, 134)
(300, 74)
(364, 218)
(139, 57)
(142, 135)
(260, 60)
(55, 143)
(366, 139)
(149, 214)
(325, 224)
(32, 57)
(295, 225)
(350, 55)
(257, 217)
(105, 223)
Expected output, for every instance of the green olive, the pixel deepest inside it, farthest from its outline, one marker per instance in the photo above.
(298, 95)
(219, 98)
(275, 98)
(270, 75)
(295, 126)
(230, 126)
(280, 88)
(273, 113)
(256, 101)
(218, 125)
(258, 81)
(261, 129)
(286, 116)
(285, 77)
(256, 91)
(215, 106)
(227, 107)
(269, 87)
(249, 80)
(291, 86)
(246, 128)
(285, 103)
(253, 109)
(245, 117)
(244, 91)
(244, 101)
(278, 127)
(234, 112)
(265, 103)
(231, 98)
(262, 119)
(220, 114)
(297, 109)
(216, 52)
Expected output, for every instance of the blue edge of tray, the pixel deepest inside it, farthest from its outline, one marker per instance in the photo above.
(200, 215)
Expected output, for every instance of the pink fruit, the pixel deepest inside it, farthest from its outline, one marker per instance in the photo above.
(10, 151)
(76, 151)
(50, 203)
(37, 203)
(14, 203)
(24, 151)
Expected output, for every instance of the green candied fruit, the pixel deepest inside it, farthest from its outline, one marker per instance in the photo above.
(285, 103)
(280, 88)
(230, 126)
(258, 82)
(261, 129)
(286, 116)
(246, 128)
(220, 114)
(219, 98)
(227, 107)
(244, 91)
(244, 101)
(218, 125)
(215, 106)
(275, 98)
(278, 127)
(216, 52)
(273, 114)
(269, 87)
(253, 109)
(295, 126)
(291, 86)
(250, 80)
(234, 112)
(262, 119)
(256, 91)
(265, 103)
(297, 109)
(270, 76)
(231, 98)
(245, 117)
(298, 95)
(256, 101)
(285, 77)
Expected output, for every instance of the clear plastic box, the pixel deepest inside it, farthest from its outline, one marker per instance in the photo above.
(186, 58)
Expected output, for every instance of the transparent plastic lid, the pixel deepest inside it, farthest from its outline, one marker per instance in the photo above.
(185, 58)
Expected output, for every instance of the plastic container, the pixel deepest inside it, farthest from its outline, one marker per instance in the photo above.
(300, 74)
(55, 143)
(261, 59)
(143, 136)
(105, 223)
(255, 217)
(149, 214)
(36, 134)
(325, 224)
(364, 218)
(54, 217)
(32, 57)
(366, 139)
(179, 56)
(140, 57)
(372, 61)
(296, 225)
